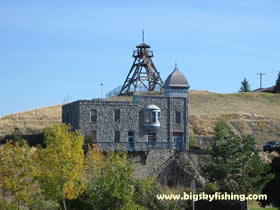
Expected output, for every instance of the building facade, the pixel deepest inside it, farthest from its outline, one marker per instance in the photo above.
(144, 123)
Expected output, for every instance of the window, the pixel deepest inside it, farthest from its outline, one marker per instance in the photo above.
(94, 136)
(93, 115)
(117, 115)
(91, 137)
(178, 117)
(117, 136)
(153, 117)
(152, 137)
(147, 117)
(131, 141)
(130, 133)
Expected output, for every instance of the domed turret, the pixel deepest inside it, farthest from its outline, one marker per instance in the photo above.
(176, 84)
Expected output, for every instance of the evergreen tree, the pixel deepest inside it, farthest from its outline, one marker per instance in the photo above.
(236, 165)
(277, 84)
(245, 87)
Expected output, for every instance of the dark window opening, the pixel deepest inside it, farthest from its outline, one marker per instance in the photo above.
(117, 115)
(130, 133)
(178, 117)
(117, 136)
(152, 137)
(91, 137)
(153, 117)
(94, 136)
(93, 115)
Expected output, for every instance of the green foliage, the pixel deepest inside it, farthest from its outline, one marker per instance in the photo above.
(193, 144)
(277, 84)
(272, 188)
(39, 203)
(17, 171)
(60, 176)
(145, 194)
(245, 87)
(222, 130)
(210, 188)
(15, 138)
(61, 164)
(8, 206)
(236, 165)
(111, 187)
(192, 141)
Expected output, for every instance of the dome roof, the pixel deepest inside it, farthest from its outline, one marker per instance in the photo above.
(151, 106)
(143, 45)
(176, 79)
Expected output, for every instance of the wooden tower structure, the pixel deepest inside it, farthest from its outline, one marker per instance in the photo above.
(143, 73)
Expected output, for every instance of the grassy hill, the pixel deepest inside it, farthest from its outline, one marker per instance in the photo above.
(248, 113)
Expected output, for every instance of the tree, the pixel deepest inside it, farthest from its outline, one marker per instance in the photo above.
(17, 171)
(272, 188)
(277, 84)
(245, 87)
(236, 165)
(61, 164)
(109, 181)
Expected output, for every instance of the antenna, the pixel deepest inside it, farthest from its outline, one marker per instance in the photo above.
(143, 35)
(261, 74)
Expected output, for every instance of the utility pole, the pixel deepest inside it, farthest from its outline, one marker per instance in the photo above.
(261, 74)
(193, 191)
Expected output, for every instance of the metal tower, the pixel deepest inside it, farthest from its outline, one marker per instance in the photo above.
(143, 72)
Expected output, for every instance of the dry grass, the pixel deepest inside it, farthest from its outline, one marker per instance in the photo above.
(248, 113)
(262, 104)
(29, 122)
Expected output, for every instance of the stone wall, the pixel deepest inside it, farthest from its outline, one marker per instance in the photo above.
(147, 163)
(131, 120)
(170, 167)
(105, 124)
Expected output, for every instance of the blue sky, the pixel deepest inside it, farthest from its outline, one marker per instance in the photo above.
(52, 51)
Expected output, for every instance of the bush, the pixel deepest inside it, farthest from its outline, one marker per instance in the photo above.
(210, 188)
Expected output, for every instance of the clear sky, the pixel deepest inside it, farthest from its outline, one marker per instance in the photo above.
(52, 51)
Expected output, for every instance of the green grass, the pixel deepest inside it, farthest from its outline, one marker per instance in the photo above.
(253, 205)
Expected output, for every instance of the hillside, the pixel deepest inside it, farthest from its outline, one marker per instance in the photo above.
(248, 113)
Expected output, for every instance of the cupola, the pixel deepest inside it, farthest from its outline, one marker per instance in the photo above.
(176, 84)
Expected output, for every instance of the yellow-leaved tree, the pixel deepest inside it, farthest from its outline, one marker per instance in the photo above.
(61, 164)
(17, 172)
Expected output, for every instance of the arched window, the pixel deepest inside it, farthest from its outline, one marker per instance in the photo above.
(151, 116)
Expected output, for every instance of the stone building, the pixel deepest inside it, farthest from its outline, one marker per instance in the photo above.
(147, 122)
